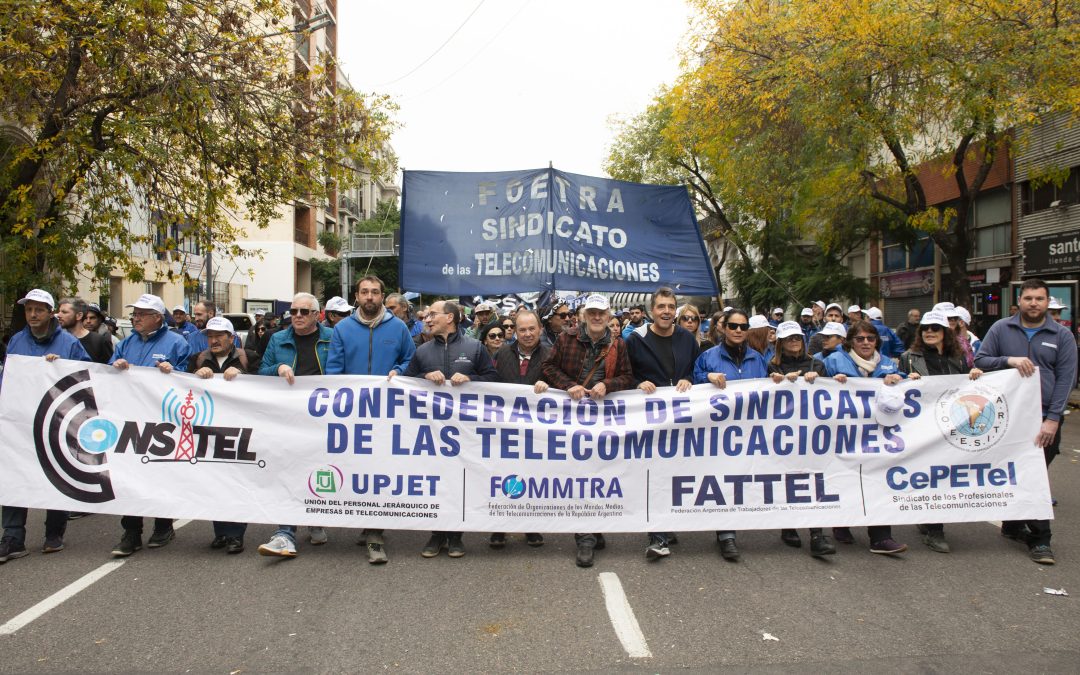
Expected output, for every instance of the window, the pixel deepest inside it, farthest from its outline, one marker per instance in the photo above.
(992, 222)
(895, 257)
(1033, 199)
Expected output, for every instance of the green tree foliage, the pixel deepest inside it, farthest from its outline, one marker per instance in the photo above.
(166, 111)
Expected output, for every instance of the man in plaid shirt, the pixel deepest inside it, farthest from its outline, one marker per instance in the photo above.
(589, 362)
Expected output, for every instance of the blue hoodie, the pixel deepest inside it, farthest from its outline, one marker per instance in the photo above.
(358, 350)
(891, 344)
(282, 349)
(56, 341)
(164, 344)
(717, 360)
(841, 363)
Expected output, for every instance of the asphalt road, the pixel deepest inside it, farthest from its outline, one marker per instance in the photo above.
(186, 607)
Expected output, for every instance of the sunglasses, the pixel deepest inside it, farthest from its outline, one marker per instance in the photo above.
(864, 338)
(494, 335)
(688, 318)
(293, 311)
(932, 329)
(508, 326)
(731, 325)
(562, 315)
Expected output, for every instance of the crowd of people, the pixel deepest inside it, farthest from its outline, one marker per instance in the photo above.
(589, 350)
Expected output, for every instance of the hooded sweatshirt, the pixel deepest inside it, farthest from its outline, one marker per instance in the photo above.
(360, 349)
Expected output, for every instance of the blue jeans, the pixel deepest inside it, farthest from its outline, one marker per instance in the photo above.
(661, 538)
(287, 531)
(14, 518)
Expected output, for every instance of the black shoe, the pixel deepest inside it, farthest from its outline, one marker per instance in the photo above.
(601, 543)
(159, 539)
(129, 543)
(728, 550)
(791, 538)
(820, 545)
(11, 549)
(435, 544)
(673, 539)
(234, 545)
(534, 539)
(1042, 554)
(498, 540)
(584, 555)
(843, 535)
(455, 547)
(219, 542)
(53, 544)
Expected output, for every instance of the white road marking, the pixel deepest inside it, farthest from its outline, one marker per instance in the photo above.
(622, 617)
(995, 523)
(67, 592)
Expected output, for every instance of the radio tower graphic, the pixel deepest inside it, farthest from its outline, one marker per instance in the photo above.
(185, 449)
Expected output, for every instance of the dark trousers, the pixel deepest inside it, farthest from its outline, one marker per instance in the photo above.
(879, 533)
(135, 524)
(14, 518)
(226, 529)
(1039, 529)
(586, 539)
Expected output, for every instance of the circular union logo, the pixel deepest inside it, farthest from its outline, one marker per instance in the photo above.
(973, 417)
(325, 481)
(513, 487)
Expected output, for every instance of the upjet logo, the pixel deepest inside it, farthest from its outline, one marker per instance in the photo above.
(326, 480)
(973, 417)
(67, 427)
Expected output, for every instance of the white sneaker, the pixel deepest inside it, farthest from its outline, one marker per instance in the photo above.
(318, 536)
(279, 545)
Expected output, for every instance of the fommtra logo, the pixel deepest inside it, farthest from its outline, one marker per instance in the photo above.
(544, 487)
(67, 426)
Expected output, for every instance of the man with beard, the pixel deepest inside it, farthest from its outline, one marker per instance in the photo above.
(637, 320)
(42, 336)
(370, 341)
(72, 314)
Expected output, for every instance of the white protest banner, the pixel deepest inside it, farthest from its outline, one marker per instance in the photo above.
(354, 451)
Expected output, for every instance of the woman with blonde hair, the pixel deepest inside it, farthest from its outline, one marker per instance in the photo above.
(689, 318)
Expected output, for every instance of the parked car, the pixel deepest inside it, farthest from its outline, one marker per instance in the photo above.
(242, 322)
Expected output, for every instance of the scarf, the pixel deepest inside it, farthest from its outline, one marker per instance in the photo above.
(370, 323)
(965, 347)
(865, 367)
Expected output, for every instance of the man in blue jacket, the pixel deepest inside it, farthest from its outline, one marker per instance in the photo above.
(370, 341)
(42, 336)
(891, 344)
(662, 354)
(1024, 341)
(300, 349)
(151, 345)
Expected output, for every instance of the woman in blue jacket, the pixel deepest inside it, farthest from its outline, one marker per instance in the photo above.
(731, 359)
(861, 357)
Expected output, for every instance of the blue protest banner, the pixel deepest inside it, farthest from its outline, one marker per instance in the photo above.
(536, 230)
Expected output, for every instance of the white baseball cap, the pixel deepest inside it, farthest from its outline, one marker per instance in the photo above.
(889, 406)
(1056, 303)
(148, 301)
(934, 318)
(596, 301)
(821, 304)
(806, 311)
(874, 313)
(758, 321)
(338, 304)
(854, 308)
(948, 309)
(38, 295)
(787, 329)
(834, 328)
(728, 309)
(220, 323)
(834, 304)
(778, 310)
(485, 307)
(179, 308)
(965, 315)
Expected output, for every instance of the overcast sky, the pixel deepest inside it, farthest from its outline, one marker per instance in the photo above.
(522, 83)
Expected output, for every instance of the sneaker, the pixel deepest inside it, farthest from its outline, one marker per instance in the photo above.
(935, 541)
(317, 535)
(434, 545)
(728, 550)
(53, 545)
(10, 550)
(1042, 554)
(279, 545)
(791, 538)
(129, 543)
(159, 539)
(376, 554)
(887, 547)
(601, 543)
(820, 545)
(657, 549)
(584, 555)
(455, 547)
(534, 539)
(234, 545)
(219, 542)
(498, 540)
(843, 535)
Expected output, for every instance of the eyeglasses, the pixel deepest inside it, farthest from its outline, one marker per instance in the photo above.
(933, 328)
(494, 336)
(731, 325)
(689, 317)
(562, 315)
(864, 338)
(142, 315)
(293, 311)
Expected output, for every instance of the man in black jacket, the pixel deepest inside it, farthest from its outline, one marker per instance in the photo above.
(455, 358)
(223, 357)
(522, 362)
(662, 354)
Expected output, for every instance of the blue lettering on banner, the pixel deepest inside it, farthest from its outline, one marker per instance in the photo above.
(576, 487)
(385, 484)
(952, 476)
(774, 487)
